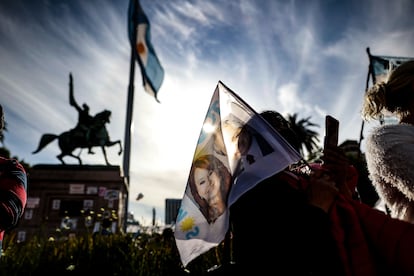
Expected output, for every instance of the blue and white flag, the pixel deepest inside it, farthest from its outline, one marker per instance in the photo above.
(224, 167)
(380, 68)
(140, 38)
(382, 65)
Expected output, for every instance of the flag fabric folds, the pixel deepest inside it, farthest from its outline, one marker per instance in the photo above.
(140, 39)
(382, 65)
(224, 167)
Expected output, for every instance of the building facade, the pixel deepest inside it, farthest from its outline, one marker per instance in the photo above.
(70, 200)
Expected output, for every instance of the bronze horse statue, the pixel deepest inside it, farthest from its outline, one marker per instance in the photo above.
(75, 138)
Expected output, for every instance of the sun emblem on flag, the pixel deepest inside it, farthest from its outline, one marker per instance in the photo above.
(141, 49)
(187, 224)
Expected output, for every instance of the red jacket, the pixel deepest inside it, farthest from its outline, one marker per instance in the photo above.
(13, 194)
(371, 242)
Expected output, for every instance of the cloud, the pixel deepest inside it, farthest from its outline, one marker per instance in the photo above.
(307, 58)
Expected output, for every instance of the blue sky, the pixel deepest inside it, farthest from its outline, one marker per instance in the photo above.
(305, 57)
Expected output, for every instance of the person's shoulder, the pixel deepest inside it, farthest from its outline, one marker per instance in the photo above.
(391, 129)
(12, 169)
(387, 136)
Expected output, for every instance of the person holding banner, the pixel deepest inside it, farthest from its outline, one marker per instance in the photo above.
(390, 147)
(320, 229)
(209, 183)
(369, 241)
(286, 218)
(299, 242)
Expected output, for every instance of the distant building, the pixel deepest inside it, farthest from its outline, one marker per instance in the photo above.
(350, 147)
(72, 199)
(171, 210)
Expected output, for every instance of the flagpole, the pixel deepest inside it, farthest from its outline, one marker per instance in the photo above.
(128, 123)
(370, 70)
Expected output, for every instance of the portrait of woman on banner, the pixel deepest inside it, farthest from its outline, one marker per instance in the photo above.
(209, 183)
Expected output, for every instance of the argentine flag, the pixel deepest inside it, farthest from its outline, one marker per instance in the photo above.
(140, 38)
(383, 65)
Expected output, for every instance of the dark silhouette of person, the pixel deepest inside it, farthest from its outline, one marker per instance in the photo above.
(105, 228)
(85, 120)
(274, 229)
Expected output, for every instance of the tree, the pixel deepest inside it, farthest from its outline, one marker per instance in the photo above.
(308, 138)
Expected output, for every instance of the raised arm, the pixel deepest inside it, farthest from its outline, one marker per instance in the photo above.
(72, 101)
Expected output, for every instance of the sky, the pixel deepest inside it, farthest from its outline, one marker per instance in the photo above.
(304, 57)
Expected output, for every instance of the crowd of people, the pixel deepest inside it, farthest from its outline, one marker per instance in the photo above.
(318, 227)
(306, 219)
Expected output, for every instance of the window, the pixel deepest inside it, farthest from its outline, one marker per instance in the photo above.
(71, 208)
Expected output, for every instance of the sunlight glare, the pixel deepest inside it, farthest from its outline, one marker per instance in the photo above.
(208, 127)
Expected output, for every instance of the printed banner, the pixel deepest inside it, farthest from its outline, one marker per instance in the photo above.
(236, 149)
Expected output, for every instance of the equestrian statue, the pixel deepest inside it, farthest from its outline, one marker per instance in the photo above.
(89, 132)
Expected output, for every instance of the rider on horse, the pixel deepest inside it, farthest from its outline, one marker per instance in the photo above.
(85, 120)
(89, 132)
